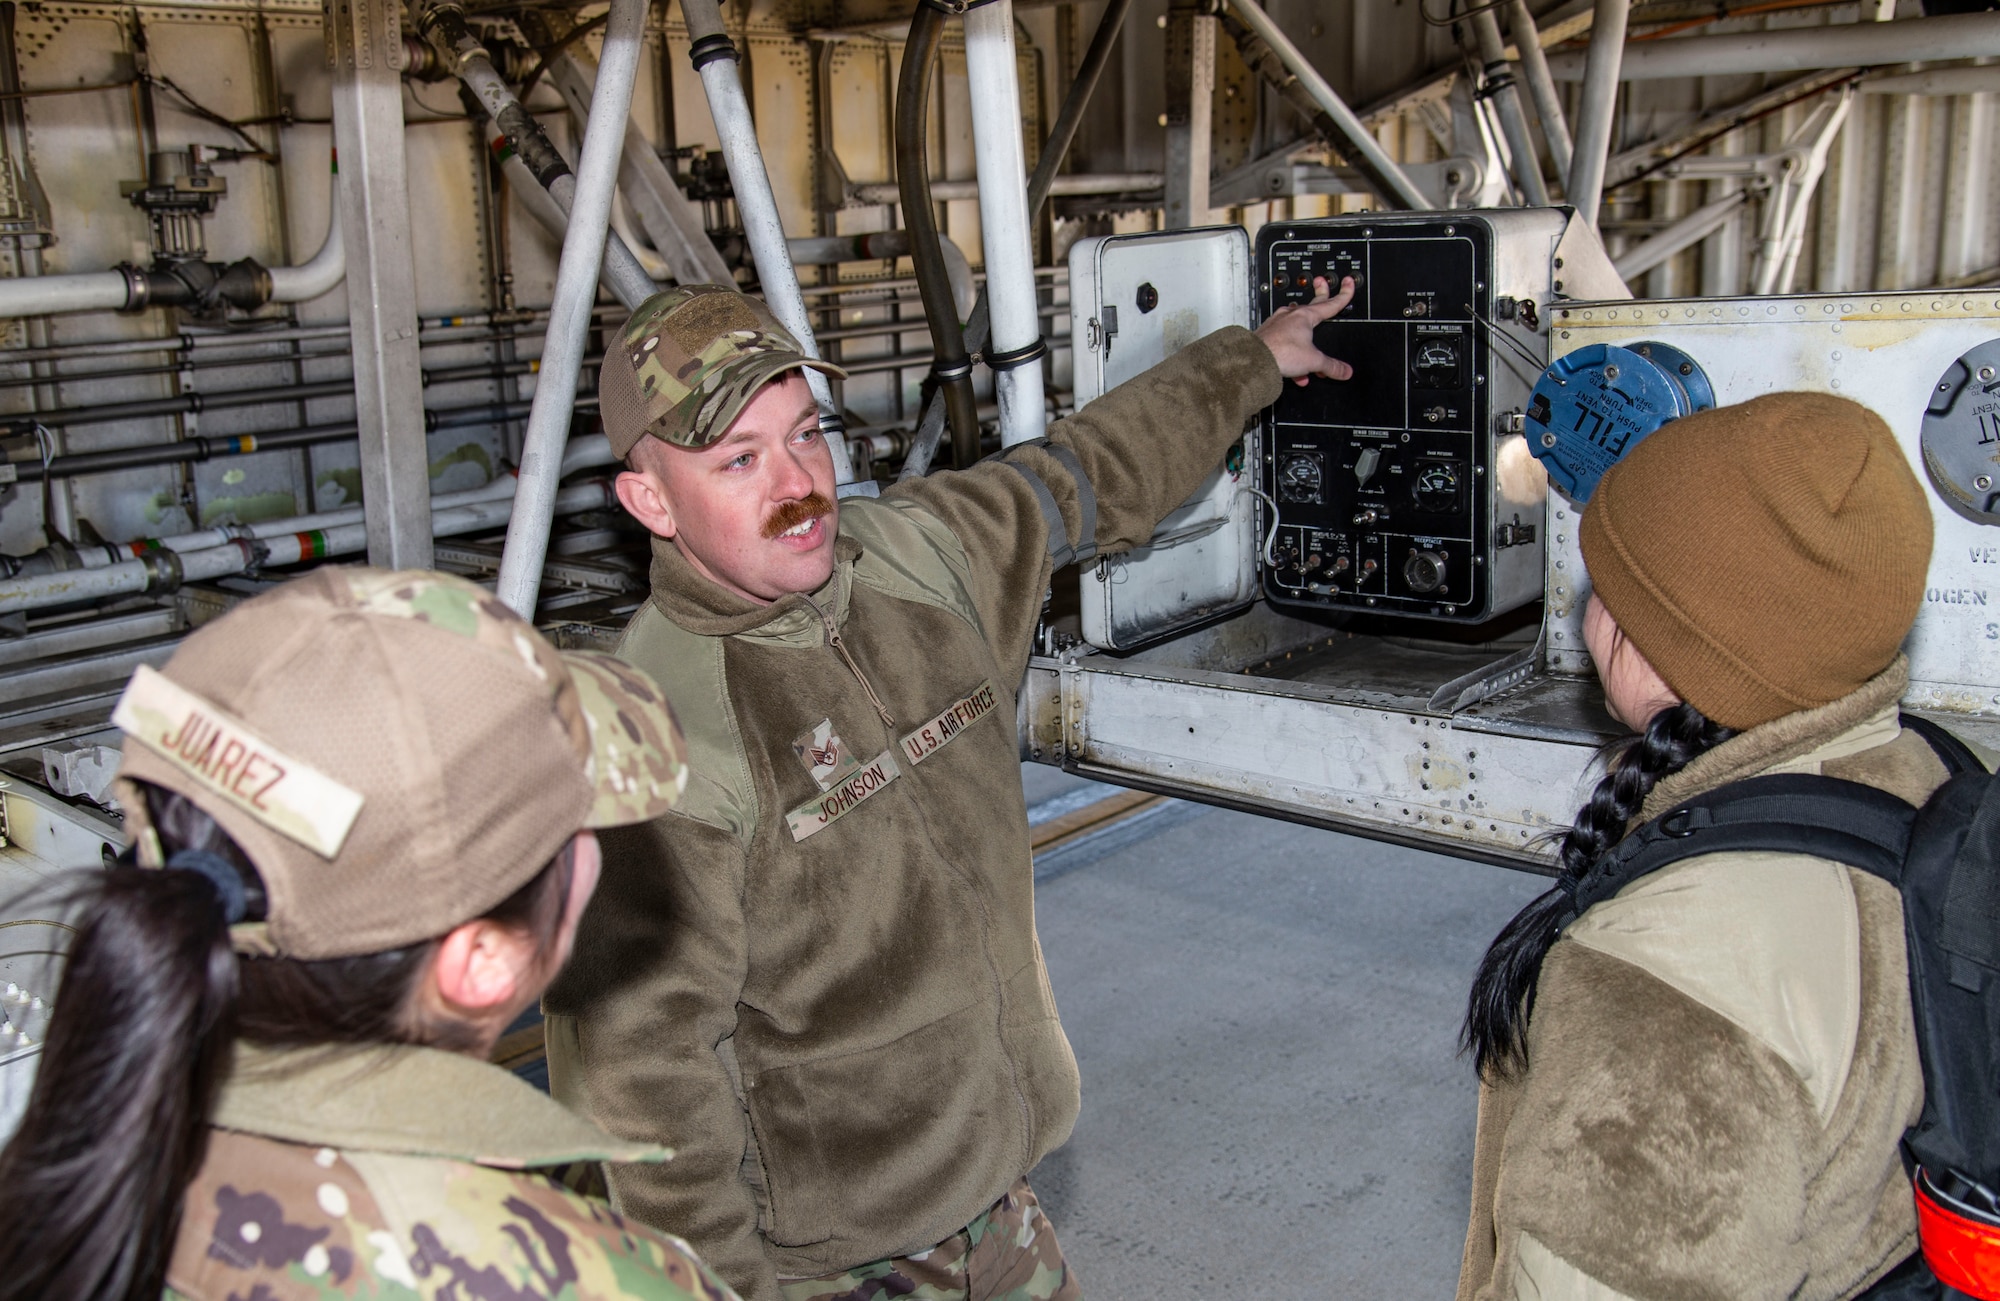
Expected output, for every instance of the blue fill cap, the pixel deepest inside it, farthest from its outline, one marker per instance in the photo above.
(1593, 406)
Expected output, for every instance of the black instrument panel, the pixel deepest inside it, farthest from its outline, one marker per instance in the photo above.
(1379, 480)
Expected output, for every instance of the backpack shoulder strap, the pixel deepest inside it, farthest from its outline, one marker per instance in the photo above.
(1790, 813)
(1954, 754)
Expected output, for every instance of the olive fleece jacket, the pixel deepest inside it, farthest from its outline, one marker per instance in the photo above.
(1721, 1063)
(831, 1001)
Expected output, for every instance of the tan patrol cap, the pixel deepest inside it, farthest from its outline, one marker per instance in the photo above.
(688, 361)
(397, 752)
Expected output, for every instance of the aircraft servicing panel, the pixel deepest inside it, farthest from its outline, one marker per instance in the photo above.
(1916, 359)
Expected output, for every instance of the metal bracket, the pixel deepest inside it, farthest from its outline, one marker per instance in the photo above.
(1488, 681)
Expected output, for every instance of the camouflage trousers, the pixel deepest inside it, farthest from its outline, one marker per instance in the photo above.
(1009, 1253)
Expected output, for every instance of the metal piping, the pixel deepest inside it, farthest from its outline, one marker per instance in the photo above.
(923, 447)
(1585, 185)
(185, 341)
(1081, 183)
(590, 452)
(203, 448)
(569, 314)
(443, 25)
(127, 288)
(669, 218)
(952, 365)
(1363, 149)
(1798, 49)
(325, 269)
(163, 571)
(1683, 234)
(1004, 218)
(813, 250)
(1939, 81)
(714, 57)
(1499, 78)
(1541, 87)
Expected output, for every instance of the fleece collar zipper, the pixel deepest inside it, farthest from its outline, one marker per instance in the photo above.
(833, 640)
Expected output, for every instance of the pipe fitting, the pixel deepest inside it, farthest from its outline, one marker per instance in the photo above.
(163, 572)
(531, 143)
(1016, 357)
(709, 48)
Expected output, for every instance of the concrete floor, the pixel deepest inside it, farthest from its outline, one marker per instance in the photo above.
(1266, 1018)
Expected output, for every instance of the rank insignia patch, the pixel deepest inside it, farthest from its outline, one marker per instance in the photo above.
(825, 755)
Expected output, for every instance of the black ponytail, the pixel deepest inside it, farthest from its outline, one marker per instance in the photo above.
(151, 1000)
(92, 1182)
(1503, 993)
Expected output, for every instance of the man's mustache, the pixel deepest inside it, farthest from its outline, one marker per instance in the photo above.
(794, 513)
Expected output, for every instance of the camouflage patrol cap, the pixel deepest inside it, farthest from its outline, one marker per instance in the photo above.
(688, 361)
(396, 752)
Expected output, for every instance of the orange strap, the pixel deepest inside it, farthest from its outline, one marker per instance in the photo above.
(1964, 1253)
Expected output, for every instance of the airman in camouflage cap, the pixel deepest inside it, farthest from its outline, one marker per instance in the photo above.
(688, 361)
(396, 752)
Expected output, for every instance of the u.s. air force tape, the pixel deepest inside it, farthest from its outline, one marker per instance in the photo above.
(221, 753)
(927, 738)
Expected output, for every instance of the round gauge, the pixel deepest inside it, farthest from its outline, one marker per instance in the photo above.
(1299, 477)
(1435, 356)
(1436, 486)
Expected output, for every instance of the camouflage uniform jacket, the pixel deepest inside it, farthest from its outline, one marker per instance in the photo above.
(818, 978)
(405, 1173)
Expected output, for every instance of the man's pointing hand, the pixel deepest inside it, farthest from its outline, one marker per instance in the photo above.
(1288, 333)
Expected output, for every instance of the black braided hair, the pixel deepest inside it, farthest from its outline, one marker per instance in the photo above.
(1503, 993)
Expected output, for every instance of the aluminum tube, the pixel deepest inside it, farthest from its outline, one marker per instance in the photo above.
(623, 272)
(993, 78)
(430, 329)
(444, 26)
(1541, 87)
(1942, 81)
(1798, 49)
(569, 314)
(1367, 151)
(1584, 187)
(589, 452)
(758, 206)
(133, 577)
(90, 291)
(1102, 183)
(1685, 233)
(323, 270)
(1507, 98)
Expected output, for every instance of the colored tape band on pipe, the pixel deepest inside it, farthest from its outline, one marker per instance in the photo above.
(312, 545)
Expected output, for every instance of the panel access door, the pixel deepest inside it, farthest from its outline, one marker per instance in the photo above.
(1135, 301)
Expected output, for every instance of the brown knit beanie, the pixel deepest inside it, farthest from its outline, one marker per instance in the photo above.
(1765, 558)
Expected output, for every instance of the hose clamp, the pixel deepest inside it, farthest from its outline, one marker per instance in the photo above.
(1498, 77)
(999, 361)
(953, 373)
(710, 48)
